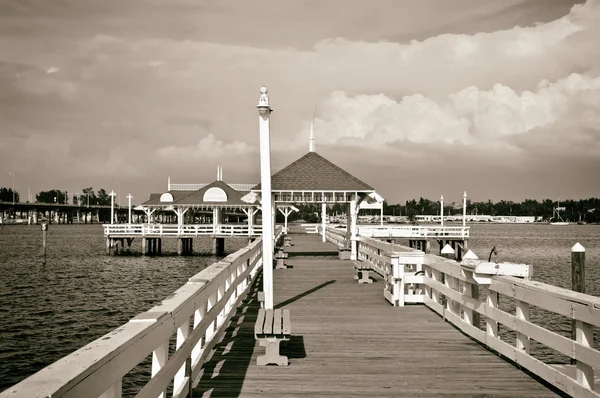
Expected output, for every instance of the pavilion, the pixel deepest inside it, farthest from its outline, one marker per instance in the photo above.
(313, 179)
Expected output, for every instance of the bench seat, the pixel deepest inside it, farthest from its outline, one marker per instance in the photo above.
(362, 271)
(280, 255)
(271, 328)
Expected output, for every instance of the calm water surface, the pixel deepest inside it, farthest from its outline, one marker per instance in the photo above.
(48, 311)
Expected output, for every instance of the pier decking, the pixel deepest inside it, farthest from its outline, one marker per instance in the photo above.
(348, 341)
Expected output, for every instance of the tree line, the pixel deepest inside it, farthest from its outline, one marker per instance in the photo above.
(87, 196)
(574, 210)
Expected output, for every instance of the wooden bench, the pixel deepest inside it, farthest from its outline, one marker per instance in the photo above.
(362, 272)
(280, 255)
(271, 328)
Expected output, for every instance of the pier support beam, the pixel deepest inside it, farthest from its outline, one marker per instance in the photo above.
(180, 246)
(218, 246)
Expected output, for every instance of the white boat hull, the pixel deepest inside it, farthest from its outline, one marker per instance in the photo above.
(560, 223)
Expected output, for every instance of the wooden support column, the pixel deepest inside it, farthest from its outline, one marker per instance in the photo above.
(353, 228)
(179, 246)
(159, 240)
(144, 245)
(324, 221)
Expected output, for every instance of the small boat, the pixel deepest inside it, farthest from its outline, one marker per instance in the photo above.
(556, 215)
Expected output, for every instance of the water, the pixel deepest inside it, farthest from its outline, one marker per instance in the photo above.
(47, 312)
(548, 249)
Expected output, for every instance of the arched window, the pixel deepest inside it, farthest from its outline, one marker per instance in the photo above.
(166, 197)
(215, 194)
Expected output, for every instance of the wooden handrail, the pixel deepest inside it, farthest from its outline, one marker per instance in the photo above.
(446, 280)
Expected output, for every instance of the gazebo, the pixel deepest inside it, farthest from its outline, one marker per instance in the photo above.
(313, 179)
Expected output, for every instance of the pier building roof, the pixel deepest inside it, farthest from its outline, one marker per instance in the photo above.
(312, 172)
(215, 194)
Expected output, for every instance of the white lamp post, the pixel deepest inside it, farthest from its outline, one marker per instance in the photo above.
(129, 197)
(112, 206)
(264, 111)
(442, 210)
(465, 209)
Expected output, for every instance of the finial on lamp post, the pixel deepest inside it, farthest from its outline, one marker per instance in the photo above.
(263, 101)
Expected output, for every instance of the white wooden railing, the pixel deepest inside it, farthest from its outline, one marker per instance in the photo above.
(311, 228)
(196, 315)
(185, 230)
(400, 268)
(452, 290)
(336, 236)
(410, 231)
(446, 280)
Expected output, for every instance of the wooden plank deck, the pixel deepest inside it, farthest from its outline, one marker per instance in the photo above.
(347, 341)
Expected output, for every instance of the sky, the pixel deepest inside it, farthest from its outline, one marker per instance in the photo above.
(416, 98)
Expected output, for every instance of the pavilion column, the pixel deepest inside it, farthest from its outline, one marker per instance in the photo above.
(324, 220)
(273, 213)
(353, 229)
(348, 225)
(250, 214)
(216, 219)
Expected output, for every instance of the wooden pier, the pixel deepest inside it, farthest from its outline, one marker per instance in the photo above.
(349, 342)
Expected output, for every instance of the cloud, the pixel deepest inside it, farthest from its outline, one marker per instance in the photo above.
(207, 148)
(471, 116)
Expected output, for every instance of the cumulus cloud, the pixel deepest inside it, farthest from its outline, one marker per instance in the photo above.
(209, 147)
(471, 116)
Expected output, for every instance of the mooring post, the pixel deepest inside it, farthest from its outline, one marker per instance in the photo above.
(577, 280)
(44, 230)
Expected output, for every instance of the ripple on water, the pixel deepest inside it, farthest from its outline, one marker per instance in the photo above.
(79, 295)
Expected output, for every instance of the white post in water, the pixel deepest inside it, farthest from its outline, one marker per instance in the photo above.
(129, 197)
(264, 111)
(442, 210)
(112, 206)
(465, 209)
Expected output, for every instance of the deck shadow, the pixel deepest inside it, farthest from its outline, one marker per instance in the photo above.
(224, 373)
(306, 293)
(294, 349)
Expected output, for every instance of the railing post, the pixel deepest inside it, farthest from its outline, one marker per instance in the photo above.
(397, 281)
(491, 325)
(159, 359)
(115, 391)
(181, 378)
(199, 347)
(585, 336)
(522, 312)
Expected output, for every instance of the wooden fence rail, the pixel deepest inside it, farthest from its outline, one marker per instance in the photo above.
(184, 230)
(447, 278)
(196, 315)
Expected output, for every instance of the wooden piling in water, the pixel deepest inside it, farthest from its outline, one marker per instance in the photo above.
(577, 281)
